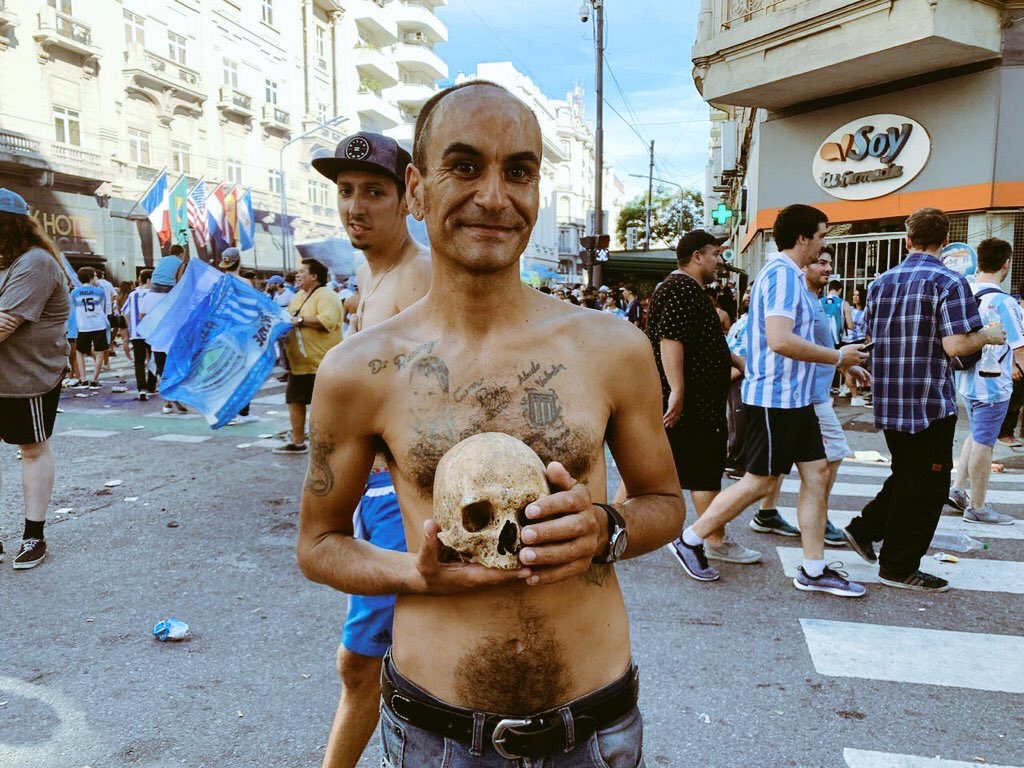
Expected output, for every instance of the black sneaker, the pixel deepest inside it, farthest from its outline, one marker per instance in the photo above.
(918, 581)
(770, 521)
(30, 554)
(292, 448)
(863, 548)
(143, 396)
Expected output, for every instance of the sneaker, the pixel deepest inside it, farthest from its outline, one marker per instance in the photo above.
(71, 382)
(292, 448)
(987, 515)
(94, 385)
(181, 408)
(1010, 441)
(831, 580)
(918, 581)
(30, 554)
(167, 408)
(731, 552)
(143, 396)
(857, 402)
(865, 549)
(693, 560)
(250, 419)
(833, 536)
(958, 499)
(844, 391)
(770, 521)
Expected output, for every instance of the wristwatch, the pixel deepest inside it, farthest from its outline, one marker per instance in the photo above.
(618, 539)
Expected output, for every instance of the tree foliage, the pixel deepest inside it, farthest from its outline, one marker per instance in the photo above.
(671, 214)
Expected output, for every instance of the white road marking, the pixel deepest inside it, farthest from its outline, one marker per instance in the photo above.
(859, 470)
(277, 399)
(181, 438)
(70, 734)
(859, 758)
(951, 523)
(973, 660)
(87, 433)
(868, 490)
(1005, 576)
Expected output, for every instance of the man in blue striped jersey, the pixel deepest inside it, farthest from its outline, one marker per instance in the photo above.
(782, 428)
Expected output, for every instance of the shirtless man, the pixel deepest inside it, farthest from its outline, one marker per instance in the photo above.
(369, 170)
(489, 664)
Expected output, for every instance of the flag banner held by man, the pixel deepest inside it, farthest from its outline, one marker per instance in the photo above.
(225, 334)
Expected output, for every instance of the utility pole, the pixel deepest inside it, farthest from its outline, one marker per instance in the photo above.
(598, 5)
(650, 194)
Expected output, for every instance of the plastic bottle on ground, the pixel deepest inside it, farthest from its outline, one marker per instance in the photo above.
(956, 541)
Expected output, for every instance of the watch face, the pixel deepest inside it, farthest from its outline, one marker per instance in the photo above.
(619, 543)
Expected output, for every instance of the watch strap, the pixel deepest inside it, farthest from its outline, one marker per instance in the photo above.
(615, 520)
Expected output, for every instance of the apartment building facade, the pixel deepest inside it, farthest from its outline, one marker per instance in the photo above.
(101, 95)
(868, 110)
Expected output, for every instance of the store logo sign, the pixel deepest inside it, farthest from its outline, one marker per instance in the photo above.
(871, 157)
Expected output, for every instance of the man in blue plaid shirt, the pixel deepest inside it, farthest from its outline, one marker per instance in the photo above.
(919, 314)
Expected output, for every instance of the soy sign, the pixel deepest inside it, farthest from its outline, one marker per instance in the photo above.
(871, 157)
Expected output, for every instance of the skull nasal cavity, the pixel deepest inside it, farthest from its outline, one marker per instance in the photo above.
(476, 516)
(508, 539)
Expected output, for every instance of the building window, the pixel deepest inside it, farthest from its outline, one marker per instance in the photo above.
(134, 29)
(268, 12)
(275, 181)
(67, 126)
(321, 112)
(311, 192)
(233, 170)
(176, 46)
(271, 91)
(64, 6)
(138, 146)
(231, 73)
(321, 46)
(180, 157)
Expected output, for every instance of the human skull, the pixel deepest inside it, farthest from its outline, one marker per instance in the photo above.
(481, 489)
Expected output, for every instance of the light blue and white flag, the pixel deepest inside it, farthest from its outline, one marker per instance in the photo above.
(223, 347)
(160, 326)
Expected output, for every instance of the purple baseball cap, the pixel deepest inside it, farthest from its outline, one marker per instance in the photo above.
(364, 151)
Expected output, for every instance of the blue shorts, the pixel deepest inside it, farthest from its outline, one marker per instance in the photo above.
(985, 419)
(378, 520)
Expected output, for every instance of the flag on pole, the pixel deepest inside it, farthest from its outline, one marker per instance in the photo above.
(231, 215)
(246, 222)
(154, 202)
(215, 216)
(197, 212)
(177, 213)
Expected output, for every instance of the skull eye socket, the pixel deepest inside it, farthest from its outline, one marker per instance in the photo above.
(477, 516)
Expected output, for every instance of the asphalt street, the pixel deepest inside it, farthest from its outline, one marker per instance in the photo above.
(202, 527)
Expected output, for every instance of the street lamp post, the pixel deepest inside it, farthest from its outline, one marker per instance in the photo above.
(284, 185)
(598, 6)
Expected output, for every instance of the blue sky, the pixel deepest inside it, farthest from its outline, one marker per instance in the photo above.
(647, 49)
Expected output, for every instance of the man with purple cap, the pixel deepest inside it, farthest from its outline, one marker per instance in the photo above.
(369, 170)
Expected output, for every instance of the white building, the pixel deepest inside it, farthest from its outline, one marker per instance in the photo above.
(100, 95)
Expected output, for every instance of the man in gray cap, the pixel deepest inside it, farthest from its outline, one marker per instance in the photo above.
(369, 170)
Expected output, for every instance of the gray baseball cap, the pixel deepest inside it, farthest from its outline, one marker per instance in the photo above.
(365, 151)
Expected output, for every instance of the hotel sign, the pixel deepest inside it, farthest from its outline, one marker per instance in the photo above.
(871, 157)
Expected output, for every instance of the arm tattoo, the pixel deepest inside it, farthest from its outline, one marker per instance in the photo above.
(319, 478)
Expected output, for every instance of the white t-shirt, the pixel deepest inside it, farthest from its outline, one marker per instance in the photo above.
(90, 306)
(995, 305)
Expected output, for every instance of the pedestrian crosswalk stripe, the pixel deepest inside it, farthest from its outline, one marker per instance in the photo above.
(951, 523)
(971, 574)
(868, 490)
(858, 470)
(87, 433)
(859, 758)
(984, 662)
(172, 438)
(277, 399)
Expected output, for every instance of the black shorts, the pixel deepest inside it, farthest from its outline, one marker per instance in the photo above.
(699, 452)
(299, 388)
(777, 438)
(28, 420)
(90, 341)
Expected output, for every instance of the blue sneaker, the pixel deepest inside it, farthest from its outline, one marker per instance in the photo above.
(833, 536)
(693, 560)
(831, 580)
(770, 521)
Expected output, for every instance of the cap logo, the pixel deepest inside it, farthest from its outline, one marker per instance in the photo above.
(357, 148)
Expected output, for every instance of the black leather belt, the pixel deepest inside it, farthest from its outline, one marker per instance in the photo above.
(545, 733)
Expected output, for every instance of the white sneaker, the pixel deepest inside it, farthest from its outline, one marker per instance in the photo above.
(167, 408)
(250, 419)
(844, 391)
(857, 402)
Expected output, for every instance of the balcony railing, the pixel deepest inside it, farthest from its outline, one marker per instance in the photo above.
(739, 11)
(73, 29)
(229, 95)
(22, 145)
(70, 153)
(172, 69)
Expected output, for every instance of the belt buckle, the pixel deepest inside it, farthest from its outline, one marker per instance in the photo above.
(498, 737)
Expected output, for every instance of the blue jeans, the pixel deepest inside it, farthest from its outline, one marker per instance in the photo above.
(405, 746)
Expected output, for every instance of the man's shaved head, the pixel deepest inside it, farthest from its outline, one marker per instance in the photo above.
(425, 121)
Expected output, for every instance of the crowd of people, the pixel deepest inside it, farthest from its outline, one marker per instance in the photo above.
(484, 665)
